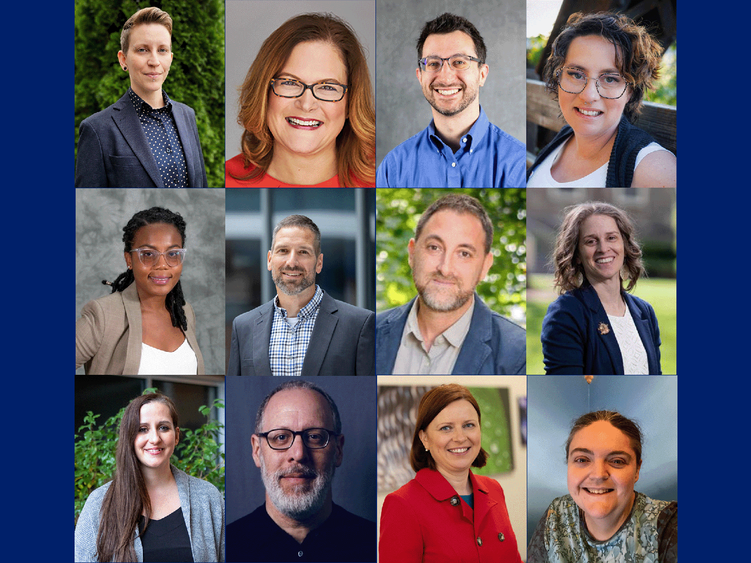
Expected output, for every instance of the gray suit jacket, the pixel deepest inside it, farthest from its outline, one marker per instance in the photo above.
(342, 343)
(113, 151)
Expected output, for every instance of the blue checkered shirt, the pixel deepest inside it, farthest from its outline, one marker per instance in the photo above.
(288, 344)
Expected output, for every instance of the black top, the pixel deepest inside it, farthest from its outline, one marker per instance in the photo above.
(166, 539)
(342, 537)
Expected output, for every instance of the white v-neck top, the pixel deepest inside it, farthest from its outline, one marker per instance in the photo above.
(158, 362)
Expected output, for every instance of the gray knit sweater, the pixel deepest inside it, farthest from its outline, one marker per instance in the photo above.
(203, 510)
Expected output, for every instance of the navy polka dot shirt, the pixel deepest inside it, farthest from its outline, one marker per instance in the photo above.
(164, 142)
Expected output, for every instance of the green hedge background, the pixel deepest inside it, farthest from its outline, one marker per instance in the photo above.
(196, 77)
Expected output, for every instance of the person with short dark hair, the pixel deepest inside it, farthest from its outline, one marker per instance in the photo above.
(603, 518)
(447, 329)
(447, 513)
(145, 139)
(144, 326)
(596, 326)
(303, 330)
(460, 147)
(599, 68)
(297, 444)
(151, 511)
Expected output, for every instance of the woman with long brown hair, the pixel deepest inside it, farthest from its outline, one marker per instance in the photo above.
(307, 108)
(151, 511)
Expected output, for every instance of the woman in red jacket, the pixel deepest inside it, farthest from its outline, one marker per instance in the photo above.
(446, 513)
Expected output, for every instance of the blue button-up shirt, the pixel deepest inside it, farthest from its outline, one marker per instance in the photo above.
(487, 158)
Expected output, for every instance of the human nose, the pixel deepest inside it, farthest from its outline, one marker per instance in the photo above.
(297, 451)
(307, 101)
(153, 436)
(600, 470)
(590, 91)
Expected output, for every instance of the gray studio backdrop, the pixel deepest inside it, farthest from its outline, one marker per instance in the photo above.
(250, 22)
(354, 486)
(101, 215)
(401, 109)
(554, 402)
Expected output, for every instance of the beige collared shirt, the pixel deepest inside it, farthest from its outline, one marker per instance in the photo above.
(413, 358)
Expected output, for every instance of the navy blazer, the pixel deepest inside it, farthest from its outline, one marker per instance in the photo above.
(342, 342)
(113, 151)
(493, 346)
(572, 336)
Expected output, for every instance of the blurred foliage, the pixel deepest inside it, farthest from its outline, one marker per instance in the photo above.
(397, 213)
(198, 453)
(535, 46)
(196, 77)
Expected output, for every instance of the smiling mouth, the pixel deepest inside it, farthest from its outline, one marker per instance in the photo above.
(159, 280)
(154, 451)
(604, 260)
(589, 112)
(459, 450)
(304, 123)
(447, 91)
(597, 491)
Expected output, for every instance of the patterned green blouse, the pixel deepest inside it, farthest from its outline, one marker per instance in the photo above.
(649, 535)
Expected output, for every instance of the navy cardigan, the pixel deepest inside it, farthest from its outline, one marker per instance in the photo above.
(577, 338)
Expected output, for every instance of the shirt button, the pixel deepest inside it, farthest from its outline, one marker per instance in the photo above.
(464, 140)
(479, 541)
(453, 165)
(299, 553)
(501, 537)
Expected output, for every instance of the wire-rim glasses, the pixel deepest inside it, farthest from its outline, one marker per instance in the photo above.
(324, 91)
(283, 438)
(149, 257)
(456, 62)
(609, 85)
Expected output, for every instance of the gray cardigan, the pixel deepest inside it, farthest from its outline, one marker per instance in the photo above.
(203, 510)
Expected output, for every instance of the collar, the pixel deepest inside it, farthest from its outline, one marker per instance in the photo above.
(143, 107)
(307, 310)
(475, 135)
(454, 335)
(440, 489)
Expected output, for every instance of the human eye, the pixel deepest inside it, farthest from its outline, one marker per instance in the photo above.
(611, 79)
(470, 425)
(146, 253)
(460, 62)
(575, 74)
(433, 63)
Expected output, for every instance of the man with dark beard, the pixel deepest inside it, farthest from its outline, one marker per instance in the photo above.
(447, 329)
(298, 444)
(303, 330)
(460, 147)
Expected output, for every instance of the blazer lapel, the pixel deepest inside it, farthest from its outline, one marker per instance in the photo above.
(482, 502)
(643, 328)
(603, 329)
(475, 349)
(132, 306)
(185, 131)
(261, 339)
(129, 126)
(320, 340)
(389, 338)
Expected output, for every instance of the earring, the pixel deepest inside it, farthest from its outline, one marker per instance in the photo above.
(125, 68)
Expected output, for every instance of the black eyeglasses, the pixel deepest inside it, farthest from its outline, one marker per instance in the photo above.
(456, 62)
(282, 438)
(324, 91)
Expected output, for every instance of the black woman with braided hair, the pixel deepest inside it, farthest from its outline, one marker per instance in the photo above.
(145, 326)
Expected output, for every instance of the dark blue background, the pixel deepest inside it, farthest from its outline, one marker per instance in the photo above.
(38, 278)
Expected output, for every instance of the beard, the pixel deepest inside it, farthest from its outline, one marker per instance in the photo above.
(303, 501)
(439, 300)
(469, 95)
(290, 287)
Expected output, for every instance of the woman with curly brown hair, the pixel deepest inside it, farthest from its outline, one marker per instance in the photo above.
(596, 327)
(598, 70)
(307, 108)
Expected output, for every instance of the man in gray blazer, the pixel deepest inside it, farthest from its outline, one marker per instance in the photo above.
(303, 330)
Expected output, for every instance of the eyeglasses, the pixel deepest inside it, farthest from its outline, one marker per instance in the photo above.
(149, 257)
(282, 439)
(324, 91)
(456, 62)
(610, 86)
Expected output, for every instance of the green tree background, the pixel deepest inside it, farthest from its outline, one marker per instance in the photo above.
(196, 77)
(397, 214)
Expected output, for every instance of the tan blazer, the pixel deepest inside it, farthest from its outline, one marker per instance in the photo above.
(108, 334)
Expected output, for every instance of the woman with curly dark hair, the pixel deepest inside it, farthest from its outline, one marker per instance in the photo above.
(596, 327)
(145, 326)
(151, 511)
(598, 70)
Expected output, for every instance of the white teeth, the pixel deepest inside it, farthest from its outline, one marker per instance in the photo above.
(604, 260)
(598, 491)
(311, 123)
(590, 113)
(459, 450)
(448, 92)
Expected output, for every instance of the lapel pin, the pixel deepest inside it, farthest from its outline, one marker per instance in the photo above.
(603, 328)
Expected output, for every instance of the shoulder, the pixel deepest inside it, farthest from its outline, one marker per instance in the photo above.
(505, 141)
(345, 309)
(197, 486)
(255, 522)
(393, 315)
(640, 304)
(571, 301)
(349, 521)
(180, 107)
(250, 316)
(105, 305)
(658, 169)
(405, 151)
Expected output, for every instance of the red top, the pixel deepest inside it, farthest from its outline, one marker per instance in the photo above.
(235, 166)
(425, 521)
